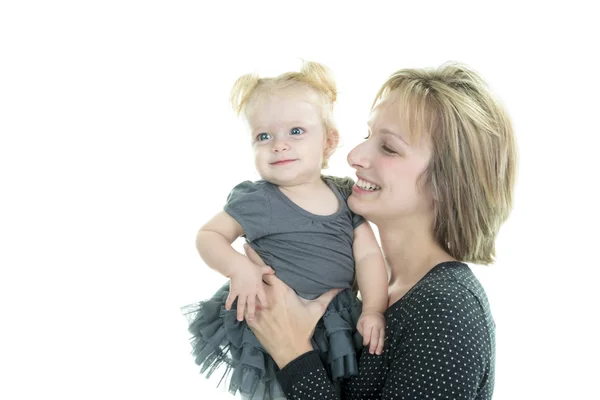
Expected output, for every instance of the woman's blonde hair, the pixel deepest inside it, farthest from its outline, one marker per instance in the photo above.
(473, 163)
(312, 76)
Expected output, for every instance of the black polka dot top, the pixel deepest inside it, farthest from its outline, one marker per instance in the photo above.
(440, 344)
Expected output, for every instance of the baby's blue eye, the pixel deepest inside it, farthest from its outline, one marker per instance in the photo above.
(297, 131)
(263, 136)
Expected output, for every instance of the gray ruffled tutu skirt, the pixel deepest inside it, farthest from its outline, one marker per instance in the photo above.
(226, 349)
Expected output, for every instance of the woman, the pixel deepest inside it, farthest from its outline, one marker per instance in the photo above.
(436, 175)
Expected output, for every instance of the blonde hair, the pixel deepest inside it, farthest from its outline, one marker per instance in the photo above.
(312, 76)
(473, 163)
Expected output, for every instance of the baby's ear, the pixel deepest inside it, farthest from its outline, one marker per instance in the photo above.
(332, 141)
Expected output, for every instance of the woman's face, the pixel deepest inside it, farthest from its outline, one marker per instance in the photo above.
(388, 166)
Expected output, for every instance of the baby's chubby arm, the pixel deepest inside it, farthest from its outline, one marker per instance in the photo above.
(213, 242)
(371, 275)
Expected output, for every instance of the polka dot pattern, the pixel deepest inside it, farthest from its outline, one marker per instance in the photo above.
(440, 344)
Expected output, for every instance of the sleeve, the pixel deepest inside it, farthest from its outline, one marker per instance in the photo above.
(344, 185)
(444, 351)
(306, 378)
(248, 203)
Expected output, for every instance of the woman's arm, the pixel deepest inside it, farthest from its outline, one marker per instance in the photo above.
(440, 346)
(305, 378)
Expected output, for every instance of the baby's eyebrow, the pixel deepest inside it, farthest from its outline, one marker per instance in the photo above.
(259, 128)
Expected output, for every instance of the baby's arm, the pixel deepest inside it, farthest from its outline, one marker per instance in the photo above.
(371, 275)
(214, 245)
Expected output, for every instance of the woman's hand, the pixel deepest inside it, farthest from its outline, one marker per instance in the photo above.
(285, 327)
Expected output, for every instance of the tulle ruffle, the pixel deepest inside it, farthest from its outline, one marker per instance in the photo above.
(226, 349)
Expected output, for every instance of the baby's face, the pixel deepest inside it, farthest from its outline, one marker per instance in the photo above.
(288, 138)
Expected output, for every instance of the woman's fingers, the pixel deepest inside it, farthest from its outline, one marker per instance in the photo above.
(262, 298)
(253, 255)
(286, 326)
(275, 283)
(326, 298)
(318, 306)
(266, 270)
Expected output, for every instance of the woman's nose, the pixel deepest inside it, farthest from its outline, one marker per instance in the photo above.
(357, 157)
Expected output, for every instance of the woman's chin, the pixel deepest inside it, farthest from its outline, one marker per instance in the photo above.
(358, 206)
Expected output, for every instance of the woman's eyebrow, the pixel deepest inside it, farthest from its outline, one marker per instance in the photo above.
(397, 135)
(386, 131)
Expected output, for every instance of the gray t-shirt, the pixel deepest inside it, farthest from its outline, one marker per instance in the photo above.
(311, 253)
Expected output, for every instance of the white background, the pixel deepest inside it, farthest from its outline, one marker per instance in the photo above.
(117, 143)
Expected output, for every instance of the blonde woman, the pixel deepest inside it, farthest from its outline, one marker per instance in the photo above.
(439, 161)
(299, 222)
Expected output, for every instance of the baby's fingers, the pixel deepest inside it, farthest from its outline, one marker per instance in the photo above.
(230, 300)
(381, 340)
(251, 307)
(367, 337)
(361, 330)
(241, 305)
(374, 340)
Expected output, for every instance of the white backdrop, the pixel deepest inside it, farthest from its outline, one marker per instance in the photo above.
(117, 143)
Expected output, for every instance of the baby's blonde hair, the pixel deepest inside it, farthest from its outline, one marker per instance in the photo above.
(473, 163)
(313, 76)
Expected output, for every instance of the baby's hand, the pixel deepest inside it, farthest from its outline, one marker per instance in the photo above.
(247, 285)
(371, 325)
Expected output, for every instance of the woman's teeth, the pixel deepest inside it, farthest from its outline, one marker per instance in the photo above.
(367, 185)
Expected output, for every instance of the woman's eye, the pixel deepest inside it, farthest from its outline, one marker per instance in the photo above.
(263, 136)
(387, 150)
(296, 131)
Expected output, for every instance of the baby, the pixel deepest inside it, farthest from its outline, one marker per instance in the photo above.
(298, 221)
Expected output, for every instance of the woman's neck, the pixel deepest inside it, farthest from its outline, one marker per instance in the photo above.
(410, 252)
